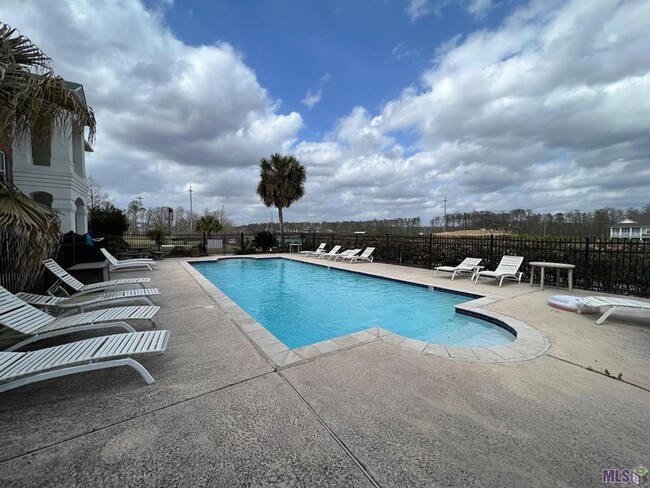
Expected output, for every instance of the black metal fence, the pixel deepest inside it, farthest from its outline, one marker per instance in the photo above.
(602, 265)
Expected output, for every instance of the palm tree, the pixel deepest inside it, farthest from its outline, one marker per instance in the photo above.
(34, 101)
(208, 224)
(282, 182)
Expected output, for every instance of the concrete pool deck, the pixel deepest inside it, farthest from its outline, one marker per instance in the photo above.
(222, 414)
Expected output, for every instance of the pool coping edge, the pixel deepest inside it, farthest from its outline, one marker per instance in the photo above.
(529, 344)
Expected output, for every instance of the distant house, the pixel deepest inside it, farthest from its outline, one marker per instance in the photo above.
(53, 172)
(630, 229)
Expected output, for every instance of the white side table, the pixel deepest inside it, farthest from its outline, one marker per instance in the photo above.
(557, 266)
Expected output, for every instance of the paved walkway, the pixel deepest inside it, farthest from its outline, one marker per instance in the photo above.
(221, 414)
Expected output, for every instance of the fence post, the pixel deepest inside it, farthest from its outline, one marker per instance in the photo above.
(430, 249)
(491, 250)
(387, 248)
(204, 242)
(242, 242)
(587, 285)
(356, 239)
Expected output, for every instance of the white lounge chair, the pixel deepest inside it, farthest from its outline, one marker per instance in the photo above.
(468, 266)
(65, 277)
(22, 368)
(320, 250)
(332, 252)
(614, 303)
(508, 269)
(115, 263)
(344, 254)
(80, 303)
(21, 317)
(364, 256)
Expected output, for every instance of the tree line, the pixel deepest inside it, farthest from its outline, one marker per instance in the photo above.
(139, 219)
(521, 221)
(517, 221)
(106, 219)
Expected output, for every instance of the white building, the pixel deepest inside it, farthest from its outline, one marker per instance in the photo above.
(54, 172)
(629, 229)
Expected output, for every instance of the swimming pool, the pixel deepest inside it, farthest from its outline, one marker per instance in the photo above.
(302, 304)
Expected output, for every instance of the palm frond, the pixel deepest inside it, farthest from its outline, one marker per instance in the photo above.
(33, 100)
(30, 233)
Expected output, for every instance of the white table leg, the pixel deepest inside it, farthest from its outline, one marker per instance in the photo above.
(570, 280)
(532, 272)
(541, 282)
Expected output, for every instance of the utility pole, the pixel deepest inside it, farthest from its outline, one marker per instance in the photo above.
(191, 214)
(140, 213)
(445, 222)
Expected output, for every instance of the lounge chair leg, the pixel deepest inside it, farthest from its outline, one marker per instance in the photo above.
(115, 363)
(501, 281)
(604, 316)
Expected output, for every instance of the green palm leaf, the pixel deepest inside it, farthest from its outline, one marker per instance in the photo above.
(282, 182)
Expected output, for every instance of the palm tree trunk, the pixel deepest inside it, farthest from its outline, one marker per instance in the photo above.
(281, 228)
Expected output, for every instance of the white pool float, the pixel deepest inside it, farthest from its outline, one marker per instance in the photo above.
(570, 303)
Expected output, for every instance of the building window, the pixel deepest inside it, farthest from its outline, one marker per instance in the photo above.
(43, 198)
(42, 152)
(77, 153)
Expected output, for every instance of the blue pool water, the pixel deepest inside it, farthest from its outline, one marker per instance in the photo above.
(303, 304)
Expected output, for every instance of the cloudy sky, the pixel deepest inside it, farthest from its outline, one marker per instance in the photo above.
(390, 104)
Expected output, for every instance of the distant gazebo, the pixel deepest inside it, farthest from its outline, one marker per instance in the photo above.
(631, 229)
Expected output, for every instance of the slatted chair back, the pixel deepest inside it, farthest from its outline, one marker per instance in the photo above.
(469, 263)
(333, 251)
(20, 316)
(366, 254)
(63, 275)
(509, 265)
(111, 259)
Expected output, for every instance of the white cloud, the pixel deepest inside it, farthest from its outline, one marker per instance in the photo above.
(401, 51)
(548, 111)
(312, 98)
(479, 8)
(167, 112)
(417, 9)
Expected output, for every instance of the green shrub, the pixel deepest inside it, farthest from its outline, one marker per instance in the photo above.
(264, 241)
(156, 235)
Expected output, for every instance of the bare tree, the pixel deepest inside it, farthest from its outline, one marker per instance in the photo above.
(97, 197)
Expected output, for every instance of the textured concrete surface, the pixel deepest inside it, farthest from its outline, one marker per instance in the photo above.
(256, 433)
(423, 421)
(620, 345)
(220, 415)
(205, 352)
